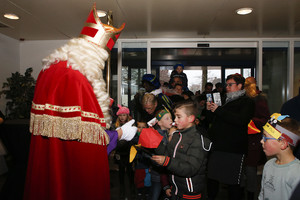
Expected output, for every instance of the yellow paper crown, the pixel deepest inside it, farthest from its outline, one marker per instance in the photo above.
(278, 131)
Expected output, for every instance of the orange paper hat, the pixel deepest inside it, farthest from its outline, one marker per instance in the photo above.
(252, 129)
(98, 33)
(150, 138)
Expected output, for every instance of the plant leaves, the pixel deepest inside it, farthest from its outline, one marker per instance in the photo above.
(19, 90)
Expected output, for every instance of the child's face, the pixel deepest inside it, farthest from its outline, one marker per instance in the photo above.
(183, 121)
(208, 89)
(166, 121)
(271, 146)
(179, 69)
(178, 89)
(177, 80)
(220, 89)
(140, 126)
(202, 103)
(123, 118)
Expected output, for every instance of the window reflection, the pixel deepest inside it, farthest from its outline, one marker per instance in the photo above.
(134, 66)
(275, 75)
(297, 70)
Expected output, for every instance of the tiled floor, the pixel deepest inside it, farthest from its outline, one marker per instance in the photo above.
(115, 187)
(222, 195)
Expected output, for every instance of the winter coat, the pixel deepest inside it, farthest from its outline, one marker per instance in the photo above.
(186, 160)
(256, 156)
(229, 129)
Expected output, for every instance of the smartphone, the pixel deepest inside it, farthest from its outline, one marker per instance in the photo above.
(209, 97)
(217, 98)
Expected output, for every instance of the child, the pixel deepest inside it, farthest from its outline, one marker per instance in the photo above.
(280, 174)
(188, 95)
(142, 177)
(158, 174)
(178, 72)
(177, 95)
(122, 153)
(178, 89)
(123, 116)
(184, 155)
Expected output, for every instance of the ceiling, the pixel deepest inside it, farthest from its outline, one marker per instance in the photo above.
(64, 19)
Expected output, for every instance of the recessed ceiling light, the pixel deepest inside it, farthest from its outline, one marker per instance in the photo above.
(244, 11)
(101, 13)
(11, 16)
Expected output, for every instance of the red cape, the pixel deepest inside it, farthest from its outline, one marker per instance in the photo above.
(71, 161)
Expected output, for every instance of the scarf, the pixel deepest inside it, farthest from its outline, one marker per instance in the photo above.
(234, 95)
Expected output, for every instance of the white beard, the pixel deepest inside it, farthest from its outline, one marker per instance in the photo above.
(89, 59)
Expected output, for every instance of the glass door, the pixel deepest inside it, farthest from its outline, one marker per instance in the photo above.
(244, 71)
(134, 66)
(275, 67)
(202, 65)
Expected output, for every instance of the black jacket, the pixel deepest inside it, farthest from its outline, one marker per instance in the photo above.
(229, 129)
(186, 160)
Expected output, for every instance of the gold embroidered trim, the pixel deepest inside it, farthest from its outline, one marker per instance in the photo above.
(67, 109)
(68, 129)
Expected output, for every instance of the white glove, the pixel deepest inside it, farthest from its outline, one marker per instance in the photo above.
(128, 130)
(152, 122)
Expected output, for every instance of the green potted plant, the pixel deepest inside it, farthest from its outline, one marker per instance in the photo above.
(19, 90)
(14, 131)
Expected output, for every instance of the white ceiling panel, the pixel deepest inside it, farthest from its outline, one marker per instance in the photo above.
(64, 19)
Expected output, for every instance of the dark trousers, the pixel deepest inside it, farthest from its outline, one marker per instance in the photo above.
(125, 168)
(235, 192)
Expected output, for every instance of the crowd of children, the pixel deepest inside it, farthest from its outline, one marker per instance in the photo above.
(184, 149)
(177, 167)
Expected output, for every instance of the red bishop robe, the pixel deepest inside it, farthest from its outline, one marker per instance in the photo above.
(68, 155)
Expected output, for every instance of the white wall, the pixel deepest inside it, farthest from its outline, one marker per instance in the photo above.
(9, 62)
(32, 53)
(18, 56)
